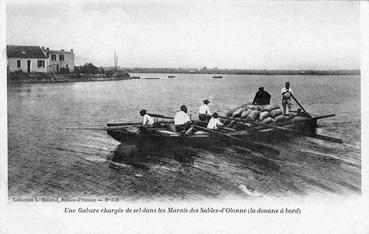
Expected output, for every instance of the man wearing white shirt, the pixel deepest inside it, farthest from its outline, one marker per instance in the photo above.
(181, 120)
(214, 122)
(204, 111)
(147, 119)
(286, 98)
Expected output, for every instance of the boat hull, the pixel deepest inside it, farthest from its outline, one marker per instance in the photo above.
(156, 138)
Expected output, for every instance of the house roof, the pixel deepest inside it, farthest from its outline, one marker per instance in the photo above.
(60, 52)
(15, 51)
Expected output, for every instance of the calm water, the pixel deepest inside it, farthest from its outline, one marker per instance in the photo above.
(47, 159)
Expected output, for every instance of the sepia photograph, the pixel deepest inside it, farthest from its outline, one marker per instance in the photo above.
(168, 102)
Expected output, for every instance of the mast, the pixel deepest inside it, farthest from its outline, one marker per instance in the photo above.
(115, 60)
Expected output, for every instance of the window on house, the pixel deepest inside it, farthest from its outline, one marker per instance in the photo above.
(40, 63)
(53, 57)
(61, 57)
(18, 63)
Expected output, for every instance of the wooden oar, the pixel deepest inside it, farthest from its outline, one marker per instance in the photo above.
(317, 136)
(228, 129)
(323, 116)
(95, 128)
(160, 116)
(128, 124)
(318, 117)
(253, 146)
(76, 128)
(326, 138)
(122, 124)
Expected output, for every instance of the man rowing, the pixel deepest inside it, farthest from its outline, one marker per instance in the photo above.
(182, 121)
(286, 98)
(262, 97)
(148, 121)
(214, 122)
(204, 111)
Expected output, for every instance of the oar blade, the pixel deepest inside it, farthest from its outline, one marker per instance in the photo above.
(87, 128)
(327, 138)
(121, 124)
(323, 116)
(159, 116)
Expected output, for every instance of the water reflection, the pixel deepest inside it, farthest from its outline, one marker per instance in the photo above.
(138, 158)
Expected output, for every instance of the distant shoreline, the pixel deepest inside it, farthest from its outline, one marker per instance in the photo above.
(37, 78)
(24, 78)
(65, 81)
(242, 72)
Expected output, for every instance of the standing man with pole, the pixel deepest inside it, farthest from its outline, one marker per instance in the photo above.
(286, 98)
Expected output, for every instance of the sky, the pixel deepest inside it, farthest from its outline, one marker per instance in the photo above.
(222, 34)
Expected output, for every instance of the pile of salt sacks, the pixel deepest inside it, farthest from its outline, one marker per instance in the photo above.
(267, 114)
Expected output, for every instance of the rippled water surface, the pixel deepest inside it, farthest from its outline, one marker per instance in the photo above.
(44, 158)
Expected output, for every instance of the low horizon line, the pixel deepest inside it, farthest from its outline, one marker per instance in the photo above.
(241, 69)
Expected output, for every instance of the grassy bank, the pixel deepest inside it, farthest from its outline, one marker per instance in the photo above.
(22, 77)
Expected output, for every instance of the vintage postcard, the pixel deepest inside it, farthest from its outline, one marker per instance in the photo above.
(183, 116)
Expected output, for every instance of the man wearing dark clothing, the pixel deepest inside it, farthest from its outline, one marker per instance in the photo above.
(262, 97)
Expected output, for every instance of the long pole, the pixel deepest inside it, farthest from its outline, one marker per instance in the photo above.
(300, 105)
(115, 60)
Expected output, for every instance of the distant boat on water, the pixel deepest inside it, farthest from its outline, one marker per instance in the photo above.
(171, 76)
(152, 78)
(135, 77)
(217, 77)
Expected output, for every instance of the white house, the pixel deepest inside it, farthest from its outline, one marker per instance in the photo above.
(60, 60)
(26, 58)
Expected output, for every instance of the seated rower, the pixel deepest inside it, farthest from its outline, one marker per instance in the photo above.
(148, 121)
(214, 122)
(204, 111)
(181, 120)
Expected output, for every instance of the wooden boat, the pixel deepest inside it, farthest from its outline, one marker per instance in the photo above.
(152, 78)
(160, 136)
(166, 131)
(217, 77)
(171, 77)
(164, 135)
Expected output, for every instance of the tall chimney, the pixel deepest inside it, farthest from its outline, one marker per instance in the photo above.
(47, 51)
(71, 50)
